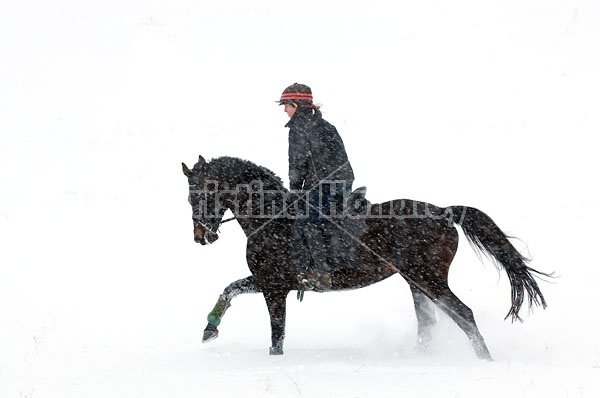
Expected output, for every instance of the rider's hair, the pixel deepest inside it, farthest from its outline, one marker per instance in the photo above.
(316, 110)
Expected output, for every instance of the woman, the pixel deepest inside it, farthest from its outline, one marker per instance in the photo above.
(319, 169)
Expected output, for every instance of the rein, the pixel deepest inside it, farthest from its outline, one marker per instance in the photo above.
(215, 229)
(227, 220)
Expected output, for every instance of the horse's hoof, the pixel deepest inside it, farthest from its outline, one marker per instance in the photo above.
(486, 357)
(423, 343)
(275, 351)
(210, 333)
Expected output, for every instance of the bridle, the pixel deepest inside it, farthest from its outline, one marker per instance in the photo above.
(212, 228)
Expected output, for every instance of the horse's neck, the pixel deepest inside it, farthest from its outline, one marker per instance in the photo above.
(259, 214)
(252, 225)
(242, 179)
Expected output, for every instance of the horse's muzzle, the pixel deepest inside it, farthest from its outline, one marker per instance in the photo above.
(204, 237)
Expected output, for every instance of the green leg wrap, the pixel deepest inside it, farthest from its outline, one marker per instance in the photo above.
(214, 317)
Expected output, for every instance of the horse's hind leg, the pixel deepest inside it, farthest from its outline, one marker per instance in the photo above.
(463, 316)
(246, 285)
(425, 316)
(434, 284)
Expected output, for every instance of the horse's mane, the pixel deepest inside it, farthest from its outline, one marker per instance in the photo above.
(240, 171)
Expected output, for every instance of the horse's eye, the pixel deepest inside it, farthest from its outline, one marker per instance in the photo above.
(194, 199)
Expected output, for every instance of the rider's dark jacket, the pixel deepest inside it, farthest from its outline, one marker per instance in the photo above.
(316, 152)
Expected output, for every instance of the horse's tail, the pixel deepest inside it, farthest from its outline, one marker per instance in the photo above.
(486, 237)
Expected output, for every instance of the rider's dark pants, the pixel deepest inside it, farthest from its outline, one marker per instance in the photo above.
(313, 232)
(325, 200)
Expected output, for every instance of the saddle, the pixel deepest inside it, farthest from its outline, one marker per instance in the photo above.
(357, 204)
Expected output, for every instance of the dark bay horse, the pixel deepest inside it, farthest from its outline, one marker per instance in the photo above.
(414, 239)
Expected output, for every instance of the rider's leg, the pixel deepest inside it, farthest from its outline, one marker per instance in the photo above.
(319, 273)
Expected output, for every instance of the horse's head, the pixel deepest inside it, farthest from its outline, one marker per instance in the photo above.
(207, 210)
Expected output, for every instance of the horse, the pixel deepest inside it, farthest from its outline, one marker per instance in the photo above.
(416, 240)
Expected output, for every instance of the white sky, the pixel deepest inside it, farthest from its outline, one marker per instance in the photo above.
(490, 104)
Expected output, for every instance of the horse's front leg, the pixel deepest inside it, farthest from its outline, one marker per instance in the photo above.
(246, 285)
(276, 305)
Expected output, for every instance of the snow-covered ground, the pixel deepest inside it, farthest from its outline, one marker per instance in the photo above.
(103, 293)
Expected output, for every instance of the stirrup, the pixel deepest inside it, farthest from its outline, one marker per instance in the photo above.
(315, 281)
(303, 285)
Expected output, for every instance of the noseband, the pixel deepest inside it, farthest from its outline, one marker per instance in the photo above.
(214, 229)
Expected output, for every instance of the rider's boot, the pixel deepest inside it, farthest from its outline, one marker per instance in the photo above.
(300, 258)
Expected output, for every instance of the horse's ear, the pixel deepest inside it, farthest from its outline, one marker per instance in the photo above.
(186, 170)
(201, 159)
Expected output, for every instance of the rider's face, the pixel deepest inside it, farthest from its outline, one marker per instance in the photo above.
(290, 110)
